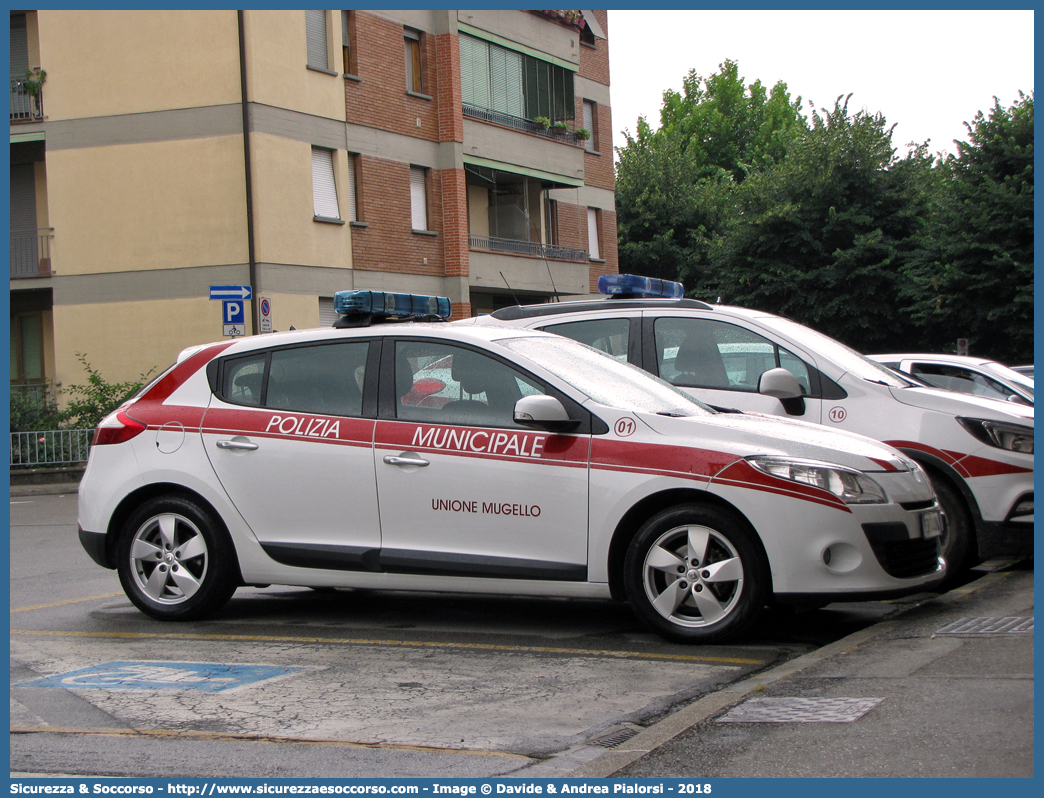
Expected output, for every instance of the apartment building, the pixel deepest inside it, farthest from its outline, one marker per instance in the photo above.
(155, 154)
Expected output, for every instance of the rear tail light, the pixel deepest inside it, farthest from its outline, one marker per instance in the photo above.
(117, 427)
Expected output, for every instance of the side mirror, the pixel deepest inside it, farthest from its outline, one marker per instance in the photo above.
(544, 413)
(779, 383)
(783, 385)
(1019, 400)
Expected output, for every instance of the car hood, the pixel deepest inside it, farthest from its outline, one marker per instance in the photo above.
(753, 433)
(962, 404)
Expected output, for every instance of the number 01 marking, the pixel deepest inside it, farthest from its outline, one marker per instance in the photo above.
(625, 427)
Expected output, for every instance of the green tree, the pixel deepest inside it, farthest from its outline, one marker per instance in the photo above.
(972, 276)
(822, 235)
(674, 184)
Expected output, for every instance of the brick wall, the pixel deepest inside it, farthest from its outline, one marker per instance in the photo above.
(379, 97)
(594, 61)
(388, 242)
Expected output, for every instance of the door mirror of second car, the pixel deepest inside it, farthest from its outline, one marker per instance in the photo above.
(544, 413)
(783, 385)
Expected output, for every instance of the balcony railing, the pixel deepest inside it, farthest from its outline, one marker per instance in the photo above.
(24, 106)
(31, 253)
(526, 248)
(519, 123)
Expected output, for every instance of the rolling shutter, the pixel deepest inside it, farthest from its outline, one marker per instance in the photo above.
(315, 35)
(592, 233)
(324, 191)
(419, 197)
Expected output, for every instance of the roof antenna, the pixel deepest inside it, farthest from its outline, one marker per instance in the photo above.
(512, 290)
(554, 288)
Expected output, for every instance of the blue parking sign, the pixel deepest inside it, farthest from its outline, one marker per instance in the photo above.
(233, 311)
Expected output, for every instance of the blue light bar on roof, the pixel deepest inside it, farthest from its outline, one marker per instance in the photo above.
(633, 285)
(356, 303)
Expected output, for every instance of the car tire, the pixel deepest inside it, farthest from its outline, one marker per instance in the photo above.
(175, 560)
(958, 541)
(695, 573)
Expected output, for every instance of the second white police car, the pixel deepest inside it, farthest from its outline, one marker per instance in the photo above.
(437, 457)
(977, 451)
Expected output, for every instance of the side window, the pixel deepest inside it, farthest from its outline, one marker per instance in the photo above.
(609, 335)
(323, 379)
(701, 353)
(442, 384)
(244, 379)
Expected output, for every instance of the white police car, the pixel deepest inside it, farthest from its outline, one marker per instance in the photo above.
(424, 456)
(978, 452)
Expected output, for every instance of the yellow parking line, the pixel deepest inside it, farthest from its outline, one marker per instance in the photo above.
(67, 601)
(172, 734)
(406, 643)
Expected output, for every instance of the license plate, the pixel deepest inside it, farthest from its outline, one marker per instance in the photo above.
(932, 524)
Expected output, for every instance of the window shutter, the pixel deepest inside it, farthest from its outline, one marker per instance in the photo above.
(419, 197)
(315, 36)
(327, 315)
(592, 233)
(589, 125)
(353, 208)
(474, 71)
(324, 191)
(31, 330)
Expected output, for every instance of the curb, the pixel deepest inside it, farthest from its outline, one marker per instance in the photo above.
(50, 489)
(670, 727)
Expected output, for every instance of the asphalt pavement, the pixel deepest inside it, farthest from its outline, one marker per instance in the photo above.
(942, 690)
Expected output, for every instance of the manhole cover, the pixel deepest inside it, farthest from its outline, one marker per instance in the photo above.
(989, 626)
(800, 710)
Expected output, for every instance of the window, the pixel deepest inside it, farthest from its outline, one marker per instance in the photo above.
(444, 384)
(700, 353)
(315, 36)
(324, 190)
(419, 197)
(497, 79)
(592, 234)
(609, 335)
(27, 347)
(955, 378)
(325, 379)
(348, 58)
(414, 71)
(551, 221)
(353, 192)
(589, 124)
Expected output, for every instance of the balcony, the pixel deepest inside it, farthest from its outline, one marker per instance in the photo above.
(518, 123)
(24, 106)
(512, 247)
(31, 253)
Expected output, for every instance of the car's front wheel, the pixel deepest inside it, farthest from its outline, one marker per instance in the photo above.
(175, 561)
(695, 574)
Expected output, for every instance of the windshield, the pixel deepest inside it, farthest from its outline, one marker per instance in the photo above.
(836, 352)
(604, 379)
(1011, 376)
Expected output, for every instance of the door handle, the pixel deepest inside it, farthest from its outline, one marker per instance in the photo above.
(392, 459)
(244, 445)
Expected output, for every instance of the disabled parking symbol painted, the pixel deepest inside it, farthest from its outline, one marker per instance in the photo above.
(198, 676)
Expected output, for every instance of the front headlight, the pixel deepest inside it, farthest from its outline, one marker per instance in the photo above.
(849, 485)
(1013, 437)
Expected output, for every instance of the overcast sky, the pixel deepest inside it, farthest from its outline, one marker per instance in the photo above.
(926, 71)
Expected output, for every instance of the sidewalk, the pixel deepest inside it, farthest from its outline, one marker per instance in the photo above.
(47, 489)
(943, 690)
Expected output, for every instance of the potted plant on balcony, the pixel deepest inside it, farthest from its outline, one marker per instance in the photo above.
(582, 134)
(34, 81)
(560, 128)
(33, 86)
(542, 122)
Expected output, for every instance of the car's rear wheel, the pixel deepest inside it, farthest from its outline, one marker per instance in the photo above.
(694, 573)
(175, 561)
(958, 544)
